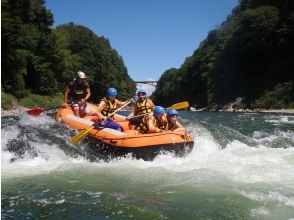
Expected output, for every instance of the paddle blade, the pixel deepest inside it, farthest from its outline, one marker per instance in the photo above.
(81, 135)
(35, 111)
(180, 105)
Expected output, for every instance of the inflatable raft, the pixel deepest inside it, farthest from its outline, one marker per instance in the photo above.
(109, 143)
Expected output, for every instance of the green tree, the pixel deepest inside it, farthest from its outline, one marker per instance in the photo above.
(26, 51)
(249, 53)
(93, 55)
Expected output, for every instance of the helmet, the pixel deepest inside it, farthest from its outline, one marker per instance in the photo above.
(172, 112)
(111, 92)
(81, 75)
(141, 91)
(158, 110)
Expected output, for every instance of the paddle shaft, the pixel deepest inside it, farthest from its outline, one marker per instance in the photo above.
(137, 116)
(38, 111)
(48, 109)
(84, 133)
(120, 108)
(177, 106)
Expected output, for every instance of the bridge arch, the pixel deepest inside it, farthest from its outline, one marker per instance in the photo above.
(152, 83)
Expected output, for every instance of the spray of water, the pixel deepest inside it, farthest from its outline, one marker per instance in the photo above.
(257, 165)
(217, 149)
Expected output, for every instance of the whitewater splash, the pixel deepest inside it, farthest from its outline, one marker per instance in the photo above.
(217, 149)
(248, 154)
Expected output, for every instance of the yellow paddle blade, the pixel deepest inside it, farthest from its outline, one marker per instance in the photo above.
(78, 136)
(180, 105)
(81, 135)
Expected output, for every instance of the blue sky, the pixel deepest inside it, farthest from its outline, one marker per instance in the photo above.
(151, 36)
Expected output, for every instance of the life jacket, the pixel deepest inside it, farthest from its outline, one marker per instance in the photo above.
(160, 124)
(110, 107)
(142, 108)
(78, 91)
(143, 128)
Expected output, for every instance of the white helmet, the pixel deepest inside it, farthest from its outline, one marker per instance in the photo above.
(81, 75)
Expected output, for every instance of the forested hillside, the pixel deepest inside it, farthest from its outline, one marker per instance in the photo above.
(80, 48)
(250, 56)
(37, 59)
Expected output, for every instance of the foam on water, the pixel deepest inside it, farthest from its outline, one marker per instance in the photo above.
(50, 156)
(280, 119)
(237, 160)
(248, 164)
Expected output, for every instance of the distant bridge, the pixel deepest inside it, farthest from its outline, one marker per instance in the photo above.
(152, 83)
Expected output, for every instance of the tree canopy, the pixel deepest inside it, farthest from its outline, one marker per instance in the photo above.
(41, 60)
(248, 56)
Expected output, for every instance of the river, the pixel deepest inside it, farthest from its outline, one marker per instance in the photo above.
(241, 167)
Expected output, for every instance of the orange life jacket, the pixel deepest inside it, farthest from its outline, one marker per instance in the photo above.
(110, 107)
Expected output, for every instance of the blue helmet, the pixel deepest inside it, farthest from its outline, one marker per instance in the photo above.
(141, 91)
(172, 112)
(158, 110)
(111, 92)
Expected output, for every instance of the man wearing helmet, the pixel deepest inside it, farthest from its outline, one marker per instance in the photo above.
(142, 107)
(172, 117)
(77, 93)
(106, 107)
(154, 123)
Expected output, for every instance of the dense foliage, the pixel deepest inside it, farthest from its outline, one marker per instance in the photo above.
(250, 56)
(41, 60)
(80, 48)
(26, 47)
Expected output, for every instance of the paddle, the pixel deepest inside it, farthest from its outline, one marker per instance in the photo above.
(38, 111)
(137, 116)
(81, 135)
(84, 133)
(180, 105)
(177, 106)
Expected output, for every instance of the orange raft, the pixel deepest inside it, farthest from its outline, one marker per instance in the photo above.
(109, 143)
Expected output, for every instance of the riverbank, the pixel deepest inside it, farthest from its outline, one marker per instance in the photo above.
(278, 111)
(285, 111)
(15, 111)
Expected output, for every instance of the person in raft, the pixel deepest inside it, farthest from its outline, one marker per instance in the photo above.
(172, 118)
(142, 107)
(76, 94)
(154, 123)
(108, 105)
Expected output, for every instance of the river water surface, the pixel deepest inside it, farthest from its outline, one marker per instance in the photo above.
(241, 167)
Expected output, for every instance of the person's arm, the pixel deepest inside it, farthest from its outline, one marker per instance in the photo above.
(120, 103)
(180, 131)
(151, 104)
(132, 114)
(88, 94)
(67, 91)
(151, 127)
(179, 125)
(101, 106)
